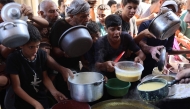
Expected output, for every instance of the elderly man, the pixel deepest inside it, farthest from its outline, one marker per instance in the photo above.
(78, 13)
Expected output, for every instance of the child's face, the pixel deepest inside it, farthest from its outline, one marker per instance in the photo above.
(102, 14)
(129, 10)
(114, 33)
(30, 49)
(95, 36)
(113, 8)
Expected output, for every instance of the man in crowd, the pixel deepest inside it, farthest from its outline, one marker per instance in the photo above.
(113, 6)
(114, 43)
(78, 14)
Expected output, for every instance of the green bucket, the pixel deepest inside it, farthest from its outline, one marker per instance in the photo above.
(117, 88)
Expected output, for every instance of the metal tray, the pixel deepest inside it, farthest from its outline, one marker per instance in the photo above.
(123, 104)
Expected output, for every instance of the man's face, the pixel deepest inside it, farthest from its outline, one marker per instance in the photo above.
(129, 10)
(81, 18)
(114, 33)
(50, 12)
(30, 49)
(113, 8)
(62, 7)
(102, 14)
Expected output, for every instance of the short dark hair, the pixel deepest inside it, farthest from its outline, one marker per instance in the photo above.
(113, 20)
(3, 2)
(33, 33)
(59, 2)
(111, 2)
(125, 2)
(93, 27)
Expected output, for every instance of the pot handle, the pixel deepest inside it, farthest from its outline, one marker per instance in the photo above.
(74, 72)
(8, 23)
(98, 83)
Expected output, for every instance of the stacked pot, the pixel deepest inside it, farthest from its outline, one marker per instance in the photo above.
(13, 31)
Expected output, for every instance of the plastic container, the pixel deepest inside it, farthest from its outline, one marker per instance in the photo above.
(117, 88)
(128, 71)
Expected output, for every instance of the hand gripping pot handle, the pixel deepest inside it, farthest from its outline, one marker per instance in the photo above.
(8, 23)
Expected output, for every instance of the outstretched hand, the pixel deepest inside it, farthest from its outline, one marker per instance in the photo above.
(27, 11)
(58, 96)
(183, 76)
(154, 51)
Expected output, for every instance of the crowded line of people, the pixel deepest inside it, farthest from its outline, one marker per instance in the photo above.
(34, 75)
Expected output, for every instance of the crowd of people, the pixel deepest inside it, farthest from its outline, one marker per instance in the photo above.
(34, 75)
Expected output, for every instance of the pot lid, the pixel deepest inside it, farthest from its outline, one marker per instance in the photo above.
(11, 12)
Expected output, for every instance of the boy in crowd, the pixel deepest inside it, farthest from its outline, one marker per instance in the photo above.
(88, 60)
(107, 48)
(102, 11)
(27, 69)
(113, 6)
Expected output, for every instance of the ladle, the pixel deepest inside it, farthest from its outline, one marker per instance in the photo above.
(175, 81)
(119, 57)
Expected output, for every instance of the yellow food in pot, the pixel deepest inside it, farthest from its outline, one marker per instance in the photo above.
(150, 86)
(128, 78)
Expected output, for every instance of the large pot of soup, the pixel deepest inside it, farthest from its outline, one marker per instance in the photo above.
(86, 86)
(153, 89)
(128, 71)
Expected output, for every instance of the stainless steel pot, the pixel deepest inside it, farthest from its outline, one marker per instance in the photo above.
(154, 95)
(165, 24)
(86, 86)
(76, 41)
(14, 34)
(162, 59)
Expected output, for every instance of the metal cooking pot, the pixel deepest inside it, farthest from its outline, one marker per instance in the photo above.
(11, 12)
(162, 59)
(76, 41)
(123, 104)
(86, 86)
(154, 95)
(165, 24)
(14, 34)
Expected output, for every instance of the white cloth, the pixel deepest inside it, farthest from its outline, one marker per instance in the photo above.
(146, 13)
(170, 2)
(142, 8)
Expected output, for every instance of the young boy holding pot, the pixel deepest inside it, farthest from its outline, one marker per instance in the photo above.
(27, 69)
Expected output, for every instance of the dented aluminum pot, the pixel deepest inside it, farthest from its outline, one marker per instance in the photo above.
(86, 86)
(14, 34)
(165, 24)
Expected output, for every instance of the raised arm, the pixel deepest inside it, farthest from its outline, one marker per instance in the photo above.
(39, 22)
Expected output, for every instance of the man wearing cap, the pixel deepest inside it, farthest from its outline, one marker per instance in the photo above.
(151, 46)
(78, 14)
